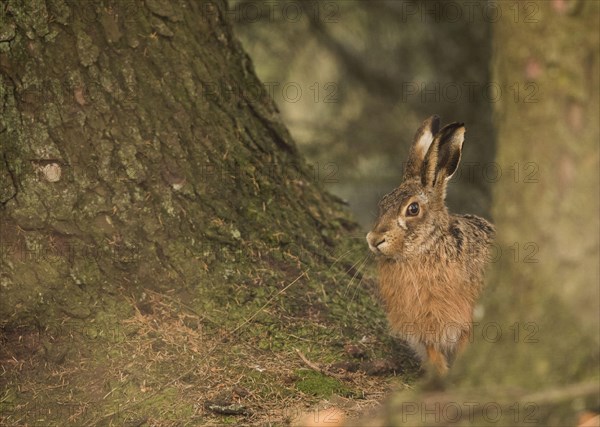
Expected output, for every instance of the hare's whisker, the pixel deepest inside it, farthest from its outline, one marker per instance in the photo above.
(340, 257)
(357, 287)
(348, 271)
(357, 272)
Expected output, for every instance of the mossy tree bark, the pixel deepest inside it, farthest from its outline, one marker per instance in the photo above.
(136, 141)
(140, 154)
(544, 287)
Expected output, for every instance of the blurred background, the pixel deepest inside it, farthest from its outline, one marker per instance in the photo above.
(354, 80)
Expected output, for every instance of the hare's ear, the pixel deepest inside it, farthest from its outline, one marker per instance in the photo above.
(443, 156)
(422, 142)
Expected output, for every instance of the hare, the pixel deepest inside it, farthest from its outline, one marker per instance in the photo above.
(430, 262)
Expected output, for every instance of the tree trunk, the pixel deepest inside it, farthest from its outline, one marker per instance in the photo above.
(138, 150)
(544, 290)
(144, 166)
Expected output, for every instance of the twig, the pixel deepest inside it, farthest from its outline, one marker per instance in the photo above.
(316, 368)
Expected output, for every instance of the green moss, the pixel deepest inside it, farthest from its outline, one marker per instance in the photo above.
(319, 385)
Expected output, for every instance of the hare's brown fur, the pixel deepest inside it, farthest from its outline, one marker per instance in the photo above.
(431, 264)
(429, 301)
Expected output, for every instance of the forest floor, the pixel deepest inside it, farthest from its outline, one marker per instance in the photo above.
(164, 363)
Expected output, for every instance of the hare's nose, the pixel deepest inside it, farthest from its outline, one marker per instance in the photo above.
(374, 240)
(382, 240)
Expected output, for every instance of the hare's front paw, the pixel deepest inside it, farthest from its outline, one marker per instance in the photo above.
(436, 360)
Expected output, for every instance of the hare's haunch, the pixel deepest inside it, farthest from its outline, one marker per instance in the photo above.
(431, 262)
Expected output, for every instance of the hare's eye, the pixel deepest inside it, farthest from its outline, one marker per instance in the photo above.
(412, 209)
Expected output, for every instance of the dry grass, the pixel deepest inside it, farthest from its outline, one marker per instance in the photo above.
(168, 365)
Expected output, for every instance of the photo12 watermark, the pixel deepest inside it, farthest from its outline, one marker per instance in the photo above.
(283, 91)
(317, 172)
(525, 172)
(449, 412)
(24, 247)
(269, 11)
(452, 92)
(526, 332)
(526, 12)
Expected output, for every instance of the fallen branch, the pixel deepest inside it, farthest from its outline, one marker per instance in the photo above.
(316, 367)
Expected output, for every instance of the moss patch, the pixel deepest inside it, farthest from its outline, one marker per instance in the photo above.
(319, 385)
